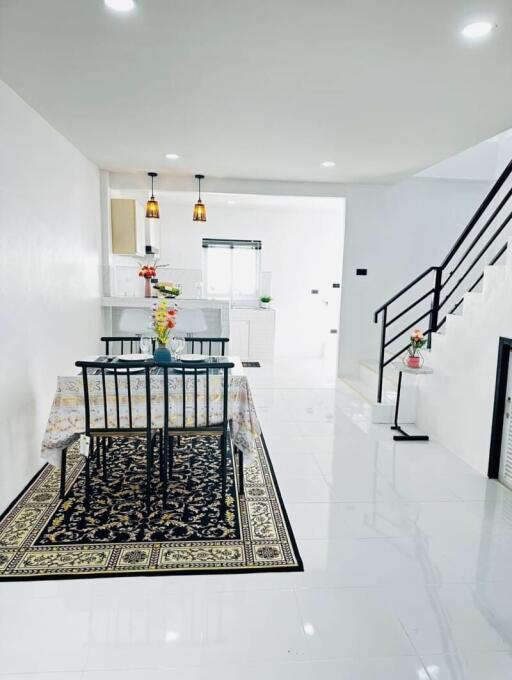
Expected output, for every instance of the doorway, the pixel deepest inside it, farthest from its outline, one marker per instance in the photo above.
(500, 455)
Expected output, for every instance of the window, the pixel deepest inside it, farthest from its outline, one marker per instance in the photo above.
(231, 269)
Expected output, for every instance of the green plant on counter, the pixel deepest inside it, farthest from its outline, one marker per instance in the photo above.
(265, 298)
(167, 291)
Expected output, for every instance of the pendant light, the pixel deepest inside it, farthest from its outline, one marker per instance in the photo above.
(199, 208)
(152, 208)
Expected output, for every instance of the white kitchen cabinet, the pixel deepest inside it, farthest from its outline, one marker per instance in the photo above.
(153, 234)
(252, 334)
(128, 229)
(239, 338)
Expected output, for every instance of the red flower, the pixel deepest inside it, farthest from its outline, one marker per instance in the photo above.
(147, 271)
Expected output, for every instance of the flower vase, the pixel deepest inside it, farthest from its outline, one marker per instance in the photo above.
(147, 288)
(414, 361)
(162, 355)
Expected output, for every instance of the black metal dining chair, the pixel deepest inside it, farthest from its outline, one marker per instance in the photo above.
(195, 382)
(207, 346)
(130, 343)
(122, 377)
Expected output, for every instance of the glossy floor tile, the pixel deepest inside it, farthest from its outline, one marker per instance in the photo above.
(488, 666)
(407, 555)
(455, 618)
(351, 622)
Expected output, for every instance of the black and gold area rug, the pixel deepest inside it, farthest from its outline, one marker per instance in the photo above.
(42, 537)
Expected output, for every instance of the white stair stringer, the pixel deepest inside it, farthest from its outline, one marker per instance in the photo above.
(455, 403)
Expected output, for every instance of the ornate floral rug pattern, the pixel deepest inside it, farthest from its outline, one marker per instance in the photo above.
(42, 537)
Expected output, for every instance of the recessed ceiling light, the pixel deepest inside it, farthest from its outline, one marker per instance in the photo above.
(231, 202)
(328, 164)
(172, 156)
(478, 29)
(121, 5)
(309, 629)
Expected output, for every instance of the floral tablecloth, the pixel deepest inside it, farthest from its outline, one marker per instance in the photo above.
(67, 415)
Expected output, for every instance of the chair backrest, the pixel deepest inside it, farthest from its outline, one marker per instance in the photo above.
(134, 321)
(207, 346)
(126, 344)
(194, 382)
(108, 383)
(118, 397)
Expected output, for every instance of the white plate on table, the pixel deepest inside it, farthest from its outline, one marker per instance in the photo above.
(134, 357)
(191, 358)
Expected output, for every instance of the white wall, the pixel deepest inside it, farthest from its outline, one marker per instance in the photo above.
(392, 230)
(395, 232)
(456, 402)
(49, 269)
(302, 247)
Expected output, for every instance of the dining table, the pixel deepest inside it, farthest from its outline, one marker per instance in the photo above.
(66, 421)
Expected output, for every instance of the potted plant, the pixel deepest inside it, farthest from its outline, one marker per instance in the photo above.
(413, 357)
(163, 321)
(265, 301)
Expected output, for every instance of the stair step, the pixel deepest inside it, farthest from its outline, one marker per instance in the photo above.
(453, 321)
(438, 338)
(472, 299)
(365, 385)
(369, 373)
(492, 274)
(369, 392)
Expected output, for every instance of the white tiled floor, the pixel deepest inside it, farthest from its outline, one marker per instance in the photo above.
(407, 556)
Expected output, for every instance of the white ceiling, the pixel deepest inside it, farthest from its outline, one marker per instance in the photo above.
(263, 90)
(484, 161)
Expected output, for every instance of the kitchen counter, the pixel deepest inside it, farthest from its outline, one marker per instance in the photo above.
(217, 312)
(138, 302)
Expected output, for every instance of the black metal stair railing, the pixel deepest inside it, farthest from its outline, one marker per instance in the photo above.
(427, 293)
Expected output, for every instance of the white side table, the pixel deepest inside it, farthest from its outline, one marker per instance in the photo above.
(403, 436)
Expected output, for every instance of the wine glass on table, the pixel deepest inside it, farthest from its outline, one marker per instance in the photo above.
(146, 344)
(177, 347)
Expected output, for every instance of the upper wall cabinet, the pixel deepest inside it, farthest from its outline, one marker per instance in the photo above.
(127, 218)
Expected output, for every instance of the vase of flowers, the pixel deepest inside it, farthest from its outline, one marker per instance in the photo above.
(163, 321)
(147, 272)
(414, 359)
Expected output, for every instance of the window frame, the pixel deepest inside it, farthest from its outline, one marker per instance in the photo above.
(232, 245)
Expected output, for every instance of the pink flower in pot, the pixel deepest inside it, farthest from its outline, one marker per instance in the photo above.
(414, 358)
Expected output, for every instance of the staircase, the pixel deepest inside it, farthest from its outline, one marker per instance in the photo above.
(443, 299)
(365, 384)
